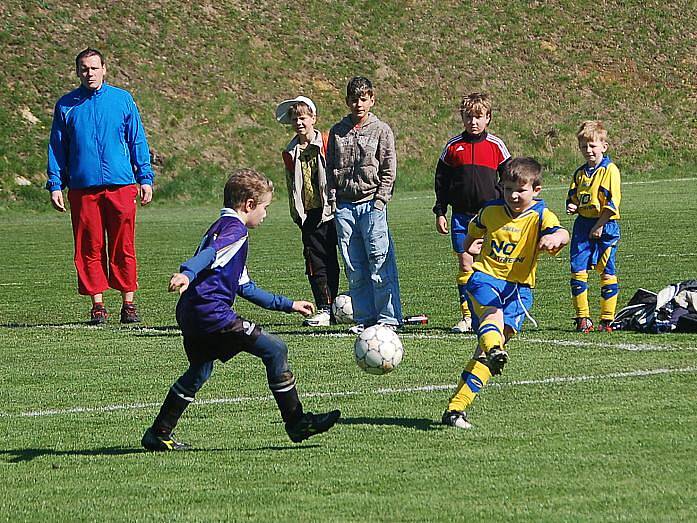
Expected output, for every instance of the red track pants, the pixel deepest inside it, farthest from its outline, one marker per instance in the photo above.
(100, 264)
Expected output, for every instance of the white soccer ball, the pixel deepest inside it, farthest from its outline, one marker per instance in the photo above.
(378, 350)
(343, 309)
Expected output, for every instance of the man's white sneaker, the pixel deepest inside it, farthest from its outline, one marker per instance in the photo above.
(463, 326)
(321, 319)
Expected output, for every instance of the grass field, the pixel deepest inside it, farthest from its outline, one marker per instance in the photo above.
(579, 428)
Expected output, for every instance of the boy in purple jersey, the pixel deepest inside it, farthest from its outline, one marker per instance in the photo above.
(208, 284)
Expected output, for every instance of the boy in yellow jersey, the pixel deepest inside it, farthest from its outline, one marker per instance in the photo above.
(595, 196)
(512, 232)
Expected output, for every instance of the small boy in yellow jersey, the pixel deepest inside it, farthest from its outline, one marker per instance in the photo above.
(512, 231)
(595, 196)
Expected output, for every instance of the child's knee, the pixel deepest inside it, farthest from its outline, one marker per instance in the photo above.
(274, 353)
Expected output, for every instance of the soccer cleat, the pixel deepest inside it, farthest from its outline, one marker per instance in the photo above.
(584, 325)
(129, 314)
(462, 326)
(322, 319)
(496, 358)
(456, 418)
(605, 326)
(356, 329)
(161, 442)
(98, 314)
(311, 424)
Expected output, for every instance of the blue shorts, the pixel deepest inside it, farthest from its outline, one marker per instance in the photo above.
(587, 254)
(458, 230)
(513, 298)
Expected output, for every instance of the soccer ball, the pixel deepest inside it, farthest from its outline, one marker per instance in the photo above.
(343, 309)
(378, 350)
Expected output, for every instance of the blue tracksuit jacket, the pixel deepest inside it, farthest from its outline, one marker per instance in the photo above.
(97, 139)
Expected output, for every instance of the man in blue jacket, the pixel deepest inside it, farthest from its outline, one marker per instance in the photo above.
(98, 150)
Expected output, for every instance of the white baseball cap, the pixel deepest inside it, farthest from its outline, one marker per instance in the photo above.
(282, 109)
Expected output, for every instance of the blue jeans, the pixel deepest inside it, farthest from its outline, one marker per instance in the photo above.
(369, 259)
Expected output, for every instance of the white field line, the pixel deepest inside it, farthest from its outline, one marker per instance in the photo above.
(630, 347)
(565, 187)
(339, 394)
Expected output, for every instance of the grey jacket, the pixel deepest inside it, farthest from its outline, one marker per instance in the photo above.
(294, 179)
(361, 161)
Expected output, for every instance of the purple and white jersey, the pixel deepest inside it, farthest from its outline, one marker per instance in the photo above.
(216, 271)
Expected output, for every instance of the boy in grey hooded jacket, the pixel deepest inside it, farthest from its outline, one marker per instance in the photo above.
(361, 170)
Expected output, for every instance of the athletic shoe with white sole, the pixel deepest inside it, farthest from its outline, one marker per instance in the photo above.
(456, 418)
(323, 318)
(356, 329)
(462, 326)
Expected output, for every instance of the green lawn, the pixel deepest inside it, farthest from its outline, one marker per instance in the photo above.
(578, 428)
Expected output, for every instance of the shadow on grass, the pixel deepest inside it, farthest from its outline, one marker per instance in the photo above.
(27, 455)
(424, 424)
(279, 448)
(24, 455)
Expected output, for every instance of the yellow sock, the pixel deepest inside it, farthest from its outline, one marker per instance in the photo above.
(608, 297)
(490, 335)
(579, 294)
(473, 378)
(462, 279)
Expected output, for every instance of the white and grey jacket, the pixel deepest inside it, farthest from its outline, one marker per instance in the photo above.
(361, 161)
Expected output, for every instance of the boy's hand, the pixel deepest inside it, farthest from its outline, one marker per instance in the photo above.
(596, 232)
(178, 281)
(442, 224)
(571, 208)
(476, 247)
(303, 307)
(552, 243)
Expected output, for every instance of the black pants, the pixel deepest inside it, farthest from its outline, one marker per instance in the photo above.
(321, 263)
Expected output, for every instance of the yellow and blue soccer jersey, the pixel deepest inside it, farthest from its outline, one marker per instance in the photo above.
(509, 251)
(596, 188)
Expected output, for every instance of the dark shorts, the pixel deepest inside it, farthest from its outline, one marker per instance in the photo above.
(240, 336)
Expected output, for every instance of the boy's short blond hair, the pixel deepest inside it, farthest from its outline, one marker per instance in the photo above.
(243, 185)
(524, 169)
(299, 109)
(592, 130)
(476, 104)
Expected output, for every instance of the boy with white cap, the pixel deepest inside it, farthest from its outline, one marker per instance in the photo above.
(305, 164)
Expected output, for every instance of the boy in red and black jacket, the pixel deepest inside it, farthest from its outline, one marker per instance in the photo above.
(466, 178)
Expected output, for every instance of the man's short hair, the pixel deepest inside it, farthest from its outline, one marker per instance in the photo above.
(243, 185)
(86, 53)
(592, 130)
(358, 86)
(475, 104)
(524, 169)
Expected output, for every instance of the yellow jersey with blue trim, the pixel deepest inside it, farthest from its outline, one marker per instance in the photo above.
(509, 248)
(596, 188)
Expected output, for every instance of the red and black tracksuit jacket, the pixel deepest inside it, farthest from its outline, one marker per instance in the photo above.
(467, 173)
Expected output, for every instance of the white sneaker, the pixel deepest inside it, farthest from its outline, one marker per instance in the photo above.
(462, 326)
(321, 319)
(356, 329)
